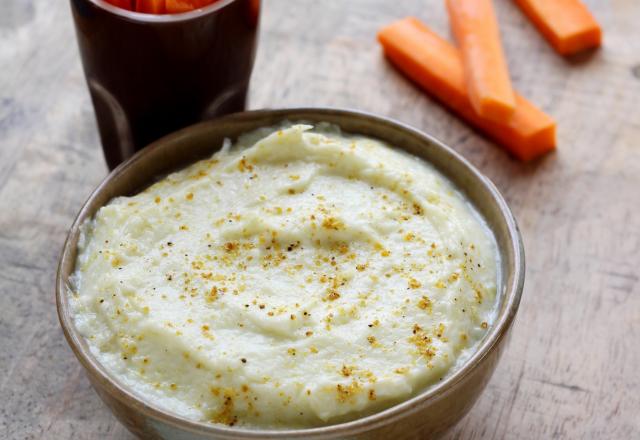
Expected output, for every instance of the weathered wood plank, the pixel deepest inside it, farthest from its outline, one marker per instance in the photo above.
(570, 370)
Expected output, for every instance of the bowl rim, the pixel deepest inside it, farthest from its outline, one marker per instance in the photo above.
(498, 330)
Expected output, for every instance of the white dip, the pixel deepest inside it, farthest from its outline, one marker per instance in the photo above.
(296, 279)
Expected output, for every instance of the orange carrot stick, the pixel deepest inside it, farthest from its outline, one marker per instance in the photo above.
(177, 6)
(476, 30)
(436, 66)
(566, 24)
(151, 6)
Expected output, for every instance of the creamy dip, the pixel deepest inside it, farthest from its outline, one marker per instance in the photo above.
(299, 278)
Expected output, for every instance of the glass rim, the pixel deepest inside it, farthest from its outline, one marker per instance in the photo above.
(143, 17)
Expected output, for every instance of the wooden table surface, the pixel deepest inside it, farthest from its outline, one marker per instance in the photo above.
(571, 369)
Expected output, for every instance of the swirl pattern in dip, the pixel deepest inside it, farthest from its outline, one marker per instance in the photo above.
(296, 279)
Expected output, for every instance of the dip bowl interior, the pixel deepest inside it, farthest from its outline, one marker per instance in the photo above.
(428, 414)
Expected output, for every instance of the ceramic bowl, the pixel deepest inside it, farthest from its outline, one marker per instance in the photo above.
(428, 414)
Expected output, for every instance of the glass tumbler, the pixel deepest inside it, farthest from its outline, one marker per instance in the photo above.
(149, 75)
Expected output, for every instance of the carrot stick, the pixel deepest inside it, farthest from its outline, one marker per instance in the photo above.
(476, 30)
(566, 24)
(436, 66)
(151, 6)
(177, 6)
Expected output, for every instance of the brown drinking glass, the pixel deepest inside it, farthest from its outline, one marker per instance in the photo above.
(149, 75)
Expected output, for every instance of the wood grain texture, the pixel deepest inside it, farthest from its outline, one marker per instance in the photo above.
(571, 370)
